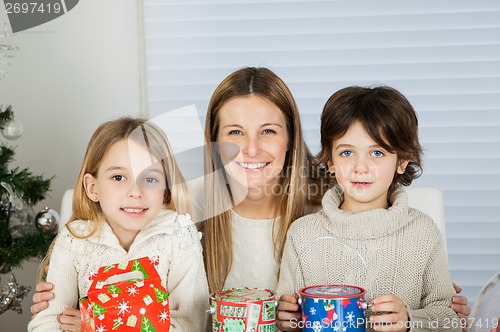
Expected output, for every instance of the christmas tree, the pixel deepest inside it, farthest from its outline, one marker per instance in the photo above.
(136, 266)
(114, 290)
(20, 189)
(98, 309)
(161, 296)
(146, 325)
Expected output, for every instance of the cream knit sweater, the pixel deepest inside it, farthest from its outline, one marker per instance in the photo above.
(402, 247)
(172, 236)
(254, 263)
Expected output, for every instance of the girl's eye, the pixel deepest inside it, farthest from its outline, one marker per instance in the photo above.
(118, 177)
(377, 153)
(235, 132)
(151, 180)
(346, 153)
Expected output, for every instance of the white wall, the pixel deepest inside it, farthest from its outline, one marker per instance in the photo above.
(70, 75)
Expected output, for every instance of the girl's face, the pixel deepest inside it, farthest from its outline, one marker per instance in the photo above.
(129, 187)
(363, 169)
(258, 133)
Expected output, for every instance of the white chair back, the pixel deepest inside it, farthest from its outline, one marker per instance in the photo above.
(429, 199)
(66, 207)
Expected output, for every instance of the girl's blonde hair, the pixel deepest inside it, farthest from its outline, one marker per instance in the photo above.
(295, 180)
(143, 132)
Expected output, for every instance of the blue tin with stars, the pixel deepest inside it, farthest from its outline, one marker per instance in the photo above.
(335, 308)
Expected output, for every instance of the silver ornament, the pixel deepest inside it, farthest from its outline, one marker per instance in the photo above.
(46, 221)
(12, 129)
(11, 296)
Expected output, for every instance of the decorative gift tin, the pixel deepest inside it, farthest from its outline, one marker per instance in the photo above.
(333, 308)
(243, 309)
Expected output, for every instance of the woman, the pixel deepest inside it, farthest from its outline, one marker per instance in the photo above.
(253, 118)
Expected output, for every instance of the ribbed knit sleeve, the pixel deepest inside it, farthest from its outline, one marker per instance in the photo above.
(289, 270)
(186, 281)
(65, 293)
(434, 312)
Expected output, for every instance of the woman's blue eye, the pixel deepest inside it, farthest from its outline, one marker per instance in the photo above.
(377, 153)
(118, 177)
(235, 132)
(346, 153)
(268, 131)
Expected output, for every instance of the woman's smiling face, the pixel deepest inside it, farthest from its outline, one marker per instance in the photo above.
(258, 133)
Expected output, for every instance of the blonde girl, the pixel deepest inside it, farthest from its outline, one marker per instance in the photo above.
(129, 201)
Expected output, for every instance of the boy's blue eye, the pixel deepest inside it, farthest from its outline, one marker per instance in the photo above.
(346, 153)
(377, 153)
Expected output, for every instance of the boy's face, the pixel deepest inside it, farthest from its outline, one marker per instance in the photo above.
(363, 169)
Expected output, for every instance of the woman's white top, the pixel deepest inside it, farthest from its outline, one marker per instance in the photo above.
(254, 263)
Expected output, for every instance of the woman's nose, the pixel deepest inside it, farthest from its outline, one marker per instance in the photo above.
(252, 147)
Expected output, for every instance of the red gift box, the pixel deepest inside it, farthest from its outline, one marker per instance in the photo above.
(126, 297)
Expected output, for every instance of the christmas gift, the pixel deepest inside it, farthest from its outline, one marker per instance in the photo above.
(126, 296)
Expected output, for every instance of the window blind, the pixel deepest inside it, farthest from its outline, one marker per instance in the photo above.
(443, 55)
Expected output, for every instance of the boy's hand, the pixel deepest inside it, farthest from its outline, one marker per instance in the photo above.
(391, 314)
(288, 313)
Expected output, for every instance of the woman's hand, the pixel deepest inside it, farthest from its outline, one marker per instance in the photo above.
(288, 313)
(459, 305)
(42, 297)
(392, 314)
(70, 320)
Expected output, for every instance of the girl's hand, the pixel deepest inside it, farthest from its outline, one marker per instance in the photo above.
(289, 314)
(391, 314)
(41, 297)
(70, 320)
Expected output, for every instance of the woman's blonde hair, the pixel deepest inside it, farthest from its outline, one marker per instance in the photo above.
(295, 179)
(143, 132)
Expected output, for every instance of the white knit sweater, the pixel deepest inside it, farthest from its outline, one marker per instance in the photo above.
(402, 247)
(172, 236)
(254, 263)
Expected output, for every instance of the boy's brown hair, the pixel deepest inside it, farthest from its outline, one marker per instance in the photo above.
(387, 116)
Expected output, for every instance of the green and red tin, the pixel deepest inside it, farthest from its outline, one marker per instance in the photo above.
(243, 309)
